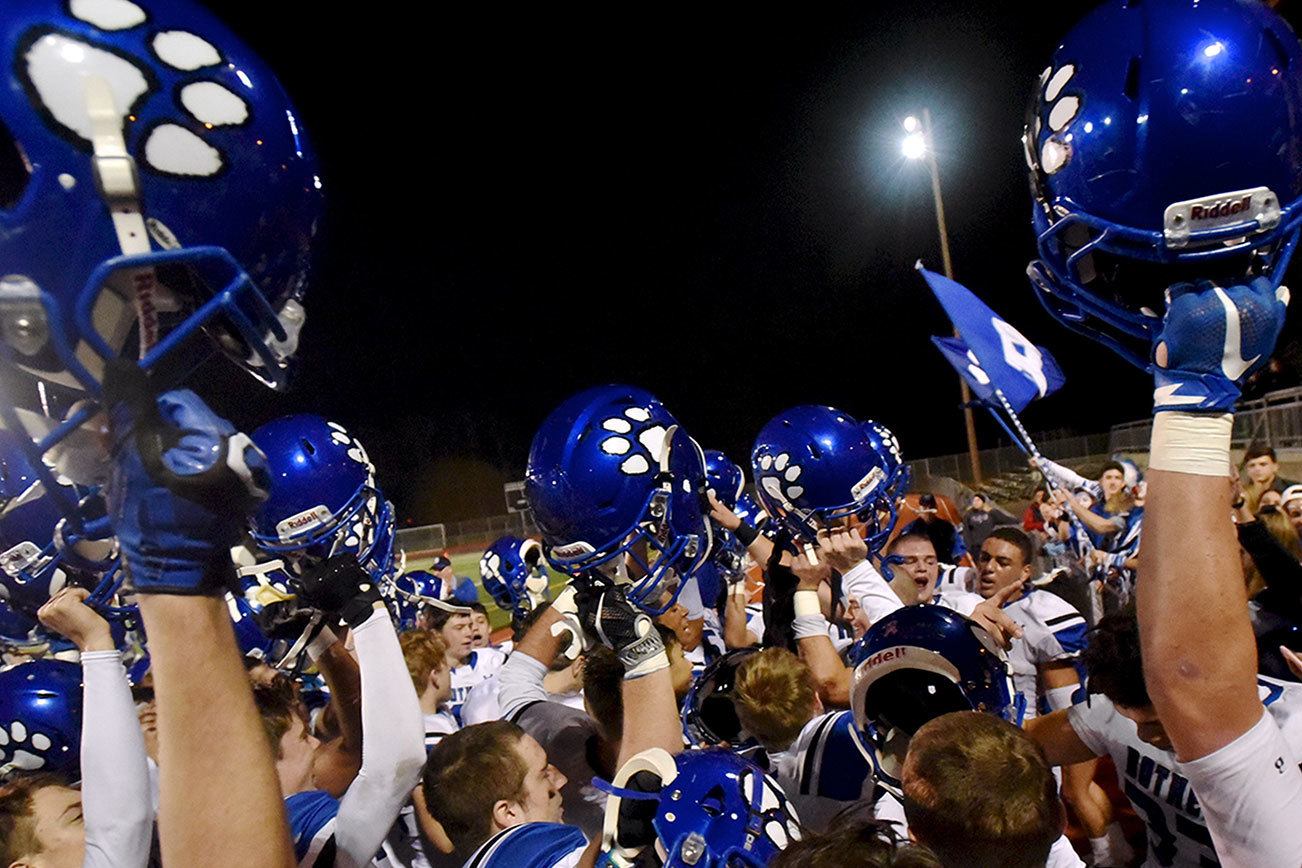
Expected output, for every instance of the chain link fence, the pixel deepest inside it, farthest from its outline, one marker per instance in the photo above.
(1275, 419)
(469, 534)
(1009, 459)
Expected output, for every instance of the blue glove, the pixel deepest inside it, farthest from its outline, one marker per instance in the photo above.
(1211, 339)
(183, 482)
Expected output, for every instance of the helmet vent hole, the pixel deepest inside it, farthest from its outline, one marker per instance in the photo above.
(1132, 79)
(15, 171)
(1281, 53)
(814, 452)
(308, 447)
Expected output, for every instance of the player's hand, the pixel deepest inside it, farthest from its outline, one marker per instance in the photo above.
(810, 574)
(841, 548)
(1211, 340)
(608, 617)
(566, 607)
(724, 517)
(340, 586)
(183, 481)
(990, 615)
(1292, 659)
(67, 614)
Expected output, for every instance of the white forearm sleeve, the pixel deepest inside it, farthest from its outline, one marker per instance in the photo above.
(115, 797)
(393, 745)
(1064, 476)
(863, 583)
(521, 682)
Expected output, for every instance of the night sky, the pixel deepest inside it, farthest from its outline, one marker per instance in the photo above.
(707, 202)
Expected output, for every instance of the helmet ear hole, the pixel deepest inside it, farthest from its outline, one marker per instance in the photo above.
(15, 171)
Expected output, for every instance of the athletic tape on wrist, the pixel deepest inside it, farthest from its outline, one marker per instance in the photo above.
(1194, 443)
(320, 643)
(807, 603)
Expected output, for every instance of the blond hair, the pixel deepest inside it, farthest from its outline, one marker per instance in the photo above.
(774, 696)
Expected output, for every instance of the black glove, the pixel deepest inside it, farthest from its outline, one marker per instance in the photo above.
(340, 585)
(608, 616)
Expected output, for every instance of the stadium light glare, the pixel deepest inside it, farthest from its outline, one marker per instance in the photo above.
(914, 146)
(911, 124)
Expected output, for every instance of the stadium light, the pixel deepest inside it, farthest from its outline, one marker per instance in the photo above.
(917, 146)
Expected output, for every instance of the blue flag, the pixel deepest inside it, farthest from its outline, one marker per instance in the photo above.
(990, 354)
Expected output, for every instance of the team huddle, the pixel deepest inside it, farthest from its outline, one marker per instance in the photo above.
(216, 652)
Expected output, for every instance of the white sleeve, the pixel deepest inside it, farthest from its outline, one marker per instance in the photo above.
(690, 599)
(116, 804)
(1064, 476)
(393, 745)
(863, 583)
(521, 680)
(1251, 797)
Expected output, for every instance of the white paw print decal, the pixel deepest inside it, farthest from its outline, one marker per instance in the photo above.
(889, 441)
(21, 749)
(489, 564)
(355, 449)
(782, 485)
(624, 439)
(56, 65)
(780, 827)
(1055, 152)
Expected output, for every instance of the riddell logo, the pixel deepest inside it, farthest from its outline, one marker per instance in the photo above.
(1223, 208)
(317, 515)
(886, 656)
(573, 550)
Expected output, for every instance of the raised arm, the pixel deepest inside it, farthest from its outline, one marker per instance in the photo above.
(118, 810)
(182, 482)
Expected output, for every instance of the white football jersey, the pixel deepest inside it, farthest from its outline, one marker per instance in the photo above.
(1160, 789)
(1052, 630)
(483, 664)
(823, 770)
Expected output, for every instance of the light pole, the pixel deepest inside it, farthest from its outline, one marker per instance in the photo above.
(917, 145)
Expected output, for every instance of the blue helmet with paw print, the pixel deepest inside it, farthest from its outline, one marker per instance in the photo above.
(40, 718)
(615, 483)
(1164, 142)
(815, 466)
(158, 198)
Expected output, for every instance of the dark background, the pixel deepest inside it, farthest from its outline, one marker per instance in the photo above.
(707, 202)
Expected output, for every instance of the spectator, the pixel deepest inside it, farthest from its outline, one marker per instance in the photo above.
(1262, 467)
(1291, 503)
(983, 516)
(1032, 518)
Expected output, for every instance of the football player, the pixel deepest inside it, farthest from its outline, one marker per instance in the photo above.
(1183, 276)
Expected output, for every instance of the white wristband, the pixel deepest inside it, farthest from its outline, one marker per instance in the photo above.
(738, 589)
(321, 643)
(1194, 443)
(807, 603)
(809, 626)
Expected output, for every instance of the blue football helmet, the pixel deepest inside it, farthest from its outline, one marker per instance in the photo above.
(158, 197)
(323, 499)
(914, 665)
(749, 511)
(614, 482)
(410, 592)
(1164, 143)
(514, 573)
(40, 552)
(815, 466)
(20, 633)
(714, 809)
(40, 718)
(887, 446)
(723, 477)
(709, 714)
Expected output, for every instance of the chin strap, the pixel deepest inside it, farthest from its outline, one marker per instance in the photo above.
(119, 185)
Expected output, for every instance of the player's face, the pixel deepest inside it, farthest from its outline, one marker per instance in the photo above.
(1001, 565)
(458, 632)
(1294, 511)
(915, 577)
(1111, 482)
(442, 682)
(297, 751)
(541, 799)
(1147, 726)
(56, 817)
(1262, 468)
(479, 628)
